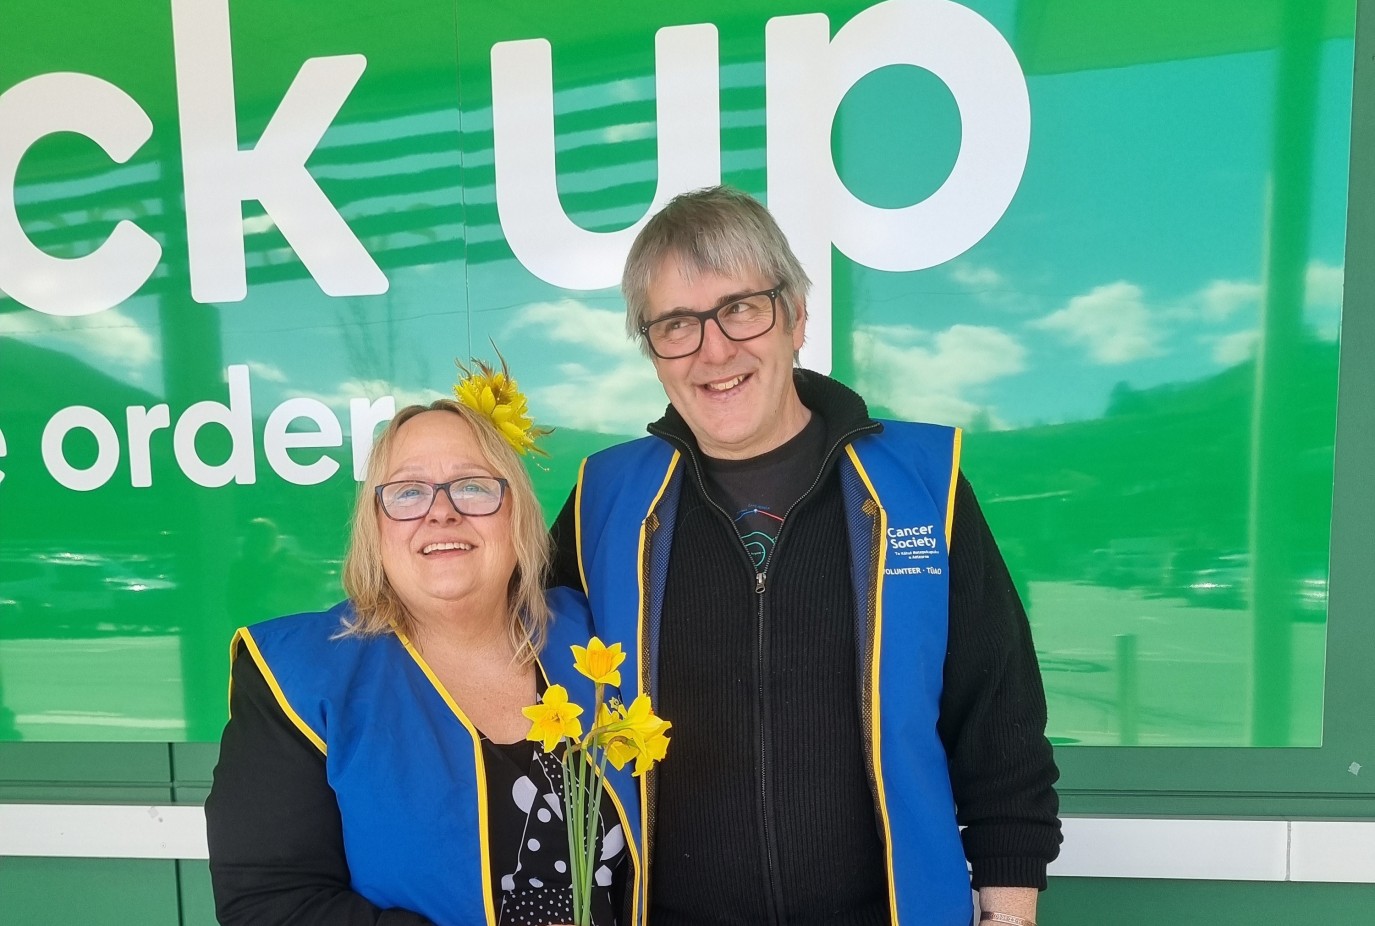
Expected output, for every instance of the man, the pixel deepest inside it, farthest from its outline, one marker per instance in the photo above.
(813, 598)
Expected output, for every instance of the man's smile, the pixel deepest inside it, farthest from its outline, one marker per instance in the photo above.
(726, 384)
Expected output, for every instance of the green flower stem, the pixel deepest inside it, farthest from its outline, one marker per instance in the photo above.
(588, 819)
(572, 811)
(586, 837)
(594, 825)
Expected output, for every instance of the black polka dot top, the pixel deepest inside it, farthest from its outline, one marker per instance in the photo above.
(529, 841)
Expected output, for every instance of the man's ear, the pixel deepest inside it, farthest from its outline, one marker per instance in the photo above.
(799, 323)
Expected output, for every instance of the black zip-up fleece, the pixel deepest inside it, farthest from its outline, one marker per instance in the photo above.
(763, 810)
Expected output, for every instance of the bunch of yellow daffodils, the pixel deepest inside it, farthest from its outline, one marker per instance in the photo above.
(620, 734)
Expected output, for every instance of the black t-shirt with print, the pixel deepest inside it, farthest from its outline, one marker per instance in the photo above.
(757, 493)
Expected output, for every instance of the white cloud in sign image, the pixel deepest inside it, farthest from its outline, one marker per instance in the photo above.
(926, 376)
(339, 398)
(604, 385)
(112, 340)
(1112, 322)
(1117, 325)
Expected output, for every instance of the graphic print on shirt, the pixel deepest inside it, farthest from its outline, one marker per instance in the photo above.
(758, 528)
(536, 892)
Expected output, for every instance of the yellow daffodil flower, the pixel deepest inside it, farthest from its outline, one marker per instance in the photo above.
(599, 662)
(496, 395)
(640, 719)
(636, 733)
(654, 750)
(554, 718)
(619, 752)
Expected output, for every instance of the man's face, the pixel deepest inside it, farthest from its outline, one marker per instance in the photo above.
(736, 396)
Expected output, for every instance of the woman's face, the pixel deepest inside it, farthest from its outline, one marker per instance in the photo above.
(445, 564)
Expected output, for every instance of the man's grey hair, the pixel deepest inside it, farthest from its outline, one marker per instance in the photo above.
(713, 230)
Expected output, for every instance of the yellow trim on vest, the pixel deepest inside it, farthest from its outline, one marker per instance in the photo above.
(640, 867)
(577, 522)
(233, 651)
(484, 847)
(876, 747)
(954, 479)
(643, 670)
(246, 636)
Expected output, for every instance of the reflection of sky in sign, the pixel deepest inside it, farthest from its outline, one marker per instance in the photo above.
(603, 384)
(114, 341)
(1133, 253)
(1136, 244)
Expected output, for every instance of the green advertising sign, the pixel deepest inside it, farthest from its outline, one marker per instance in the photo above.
(1106, 242)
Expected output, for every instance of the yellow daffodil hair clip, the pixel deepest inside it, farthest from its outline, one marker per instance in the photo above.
(495, 394)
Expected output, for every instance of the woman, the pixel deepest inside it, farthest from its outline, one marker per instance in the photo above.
(375, 768)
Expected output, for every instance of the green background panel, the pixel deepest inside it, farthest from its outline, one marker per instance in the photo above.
(77, 772)
(1228, 781)
(41, 892)
(1161, 491)
(197, 900)
(1085, 901)
(1072, 35)
(119, 629)
(1318, 779)
(193, 766)
(89, 892)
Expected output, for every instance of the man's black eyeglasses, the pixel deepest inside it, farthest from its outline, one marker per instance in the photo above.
(740, 318)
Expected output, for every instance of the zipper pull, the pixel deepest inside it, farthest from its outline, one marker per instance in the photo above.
(759, 582)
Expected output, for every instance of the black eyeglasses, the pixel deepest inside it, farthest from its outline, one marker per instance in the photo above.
(740, 318)
(471, 496)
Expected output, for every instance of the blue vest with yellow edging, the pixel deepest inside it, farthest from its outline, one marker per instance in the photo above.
(404, 762)
(898, 487)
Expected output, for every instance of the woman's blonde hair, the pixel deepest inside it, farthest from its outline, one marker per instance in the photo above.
(377, 608)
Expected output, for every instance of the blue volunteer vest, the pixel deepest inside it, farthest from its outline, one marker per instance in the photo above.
(898, 488)
(404, 762)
